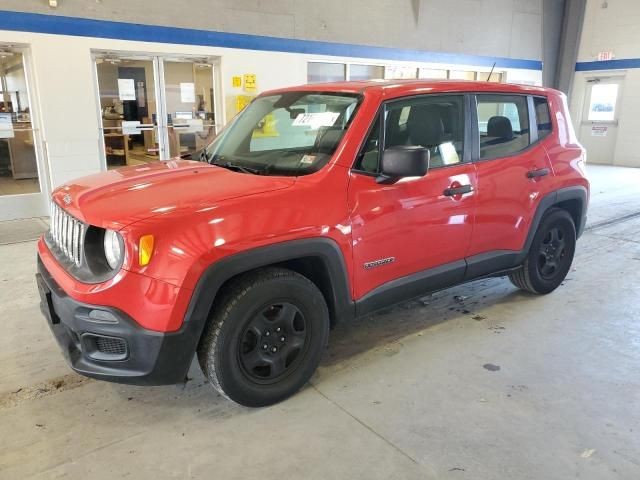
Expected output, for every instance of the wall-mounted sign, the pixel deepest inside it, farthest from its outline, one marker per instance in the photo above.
(187, 92)
(604, 56)
(6, 126)
(126, 89)
(242, 101)
(236, 81)
(250, 82)
(599, 130)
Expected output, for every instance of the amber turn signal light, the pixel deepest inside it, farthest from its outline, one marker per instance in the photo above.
(146, 250)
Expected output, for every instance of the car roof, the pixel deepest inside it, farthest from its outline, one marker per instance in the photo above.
(400, 88)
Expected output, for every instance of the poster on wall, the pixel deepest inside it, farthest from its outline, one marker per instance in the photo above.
(126, 89)
(6, 126)
(250, 82)
(599, 131)
(187, 92)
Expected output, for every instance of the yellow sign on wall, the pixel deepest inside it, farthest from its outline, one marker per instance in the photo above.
(236, 81)
(250, 82)
(242, 101)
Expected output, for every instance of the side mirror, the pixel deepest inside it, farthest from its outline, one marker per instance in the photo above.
(403, 161)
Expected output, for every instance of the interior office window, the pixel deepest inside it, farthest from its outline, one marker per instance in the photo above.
(366, 72)
(602, 104)
(318, 72)
(368, 158)
(543, 117)
(461, 75)
(432, 73)
(496, 77)
(395, 72)
(503, 121)
(433, 122)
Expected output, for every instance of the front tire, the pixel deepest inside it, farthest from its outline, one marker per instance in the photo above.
(265, 337)
(550, 256)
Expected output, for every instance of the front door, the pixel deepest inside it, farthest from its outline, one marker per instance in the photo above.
(599, 125)
(129, 109)
(417, 228)
(154, 107)
(23, 184)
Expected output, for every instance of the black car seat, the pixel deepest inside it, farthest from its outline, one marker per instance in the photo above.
(425, 128)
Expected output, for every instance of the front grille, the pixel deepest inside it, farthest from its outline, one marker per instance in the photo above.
(67, 233)
(111, 346)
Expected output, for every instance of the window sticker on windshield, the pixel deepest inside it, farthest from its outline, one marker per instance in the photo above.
(316, 119)
(307, 159)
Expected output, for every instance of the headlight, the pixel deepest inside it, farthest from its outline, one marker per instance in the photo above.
(113, 248)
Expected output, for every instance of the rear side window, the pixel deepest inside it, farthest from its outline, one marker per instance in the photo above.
(503, 122)
(543, 117)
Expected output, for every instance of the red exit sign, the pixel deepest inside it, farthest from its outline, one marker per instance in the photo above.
(604, 56)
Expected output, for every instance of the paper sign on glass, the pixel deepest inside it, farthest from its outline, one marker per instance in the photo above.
(187, 92)
(130, 127)
(126, 89)
(316, 119)
(6, 126)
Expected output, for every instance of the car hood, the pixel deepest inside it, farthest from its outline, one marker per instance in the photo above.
(120, 197)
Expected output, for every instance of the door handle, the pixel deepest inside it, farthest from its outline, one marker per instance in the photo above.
(450, 192)
(538, 173)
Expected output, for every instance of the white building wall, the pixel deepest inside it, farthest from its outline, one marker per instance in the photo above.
(613, 26)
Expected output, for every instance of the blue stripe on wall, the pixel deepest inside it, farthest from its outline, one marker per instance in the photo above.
(608, 65)
(83, 27)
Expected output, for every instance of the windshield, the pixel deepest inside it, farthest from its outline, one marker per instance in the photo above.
(293, 133)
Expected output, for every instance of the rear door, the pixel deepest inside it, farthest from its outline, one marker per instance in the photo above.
(415, 224)
(514, 173)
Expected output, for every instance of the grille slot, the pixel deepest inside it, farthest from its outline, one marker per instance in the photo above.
(67, 233)
(111, 346)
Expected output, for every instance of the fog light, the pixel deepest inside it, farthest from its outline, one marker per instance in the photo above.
(146, 250)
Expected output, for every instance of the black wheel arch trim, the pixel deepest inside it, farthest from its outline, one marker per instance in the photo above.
(219, 272)
(555, 198)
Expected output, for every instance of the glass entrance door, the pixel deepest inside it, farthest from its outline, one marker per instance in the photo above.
(190, 105)
(128, 109)
(21, 185)
(154, 107)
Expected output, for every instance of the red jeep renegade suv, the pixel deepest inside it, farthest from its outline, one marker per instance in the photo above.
(315, 204)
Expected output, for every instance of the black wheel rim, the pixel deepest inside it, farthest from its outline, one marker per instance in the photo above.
(552, 253)
(273, 342)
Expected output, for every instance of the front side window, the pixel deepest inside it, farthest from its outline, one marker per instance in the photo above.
(503, 122)
(434, 122)
(293, 133)
(368, 158)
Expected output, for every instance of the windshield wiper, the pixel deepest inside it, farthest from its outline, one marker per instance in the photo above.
(238, 168)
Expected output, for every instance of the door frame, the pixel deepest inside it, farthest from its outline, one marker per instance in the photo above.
(593, 78)
(157, 60)
(30, 205)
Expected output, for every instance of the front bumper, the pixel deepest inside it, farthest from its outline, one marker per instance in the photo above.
(105, 343)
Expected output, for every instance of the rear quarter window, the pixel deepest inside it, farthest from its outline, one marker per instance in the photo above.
(543, 117)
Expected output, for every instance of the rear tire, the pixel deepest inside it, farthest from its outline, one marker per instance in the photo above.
(265, 337)
(550, 256)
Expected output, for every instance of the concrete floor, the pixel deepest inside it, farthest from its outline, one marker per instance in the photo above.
(478, 382)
